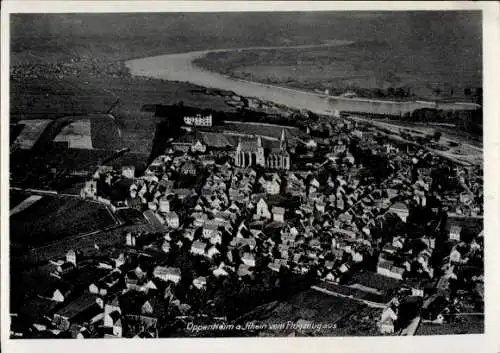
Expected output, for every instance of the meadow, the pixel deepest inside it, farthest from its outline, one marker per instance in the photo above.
(372, 69)
(48, 220)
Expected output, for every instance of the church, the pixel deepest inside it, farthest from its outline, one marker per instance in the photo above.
(252, 153)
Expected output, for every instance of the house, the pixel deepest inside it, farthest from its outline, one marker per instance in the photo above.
(71, 257)
(65, 268)
(262, 210)
(216, 239)
(200, 282)
(398, 242)
(164, 205)
(345, 267)
(434, 308)
(320, 206)
(400, 209)
(357, 257)
(330, 277)
(60, 293)
(198, 247)
(198, 147)
(151, 310)
(130, 239)
(199, 218)
(149, 286)
(244, 270)
(315, 244)
(248, 259)
(455, 256)
(212, 251)
(172, 274)
(278, 214)
(106, 264)
(106, 284)
(112, 321)
(210, 229)
(132, 280)
(311, 144)
(272, 187)
(89, 190)
(273, 266)
(165, 246)
(188, 168)
(387, 319)
(455, 231)
(128, 172)
(220, 271)
(417, 291)
(112, 316)
(172, 219)
(82, 309)
(314, 183)
(387, 268)
(119, 261)
(389, 249)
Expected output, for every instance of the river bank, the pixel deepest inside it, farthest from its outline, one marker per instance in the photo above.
(181, 67)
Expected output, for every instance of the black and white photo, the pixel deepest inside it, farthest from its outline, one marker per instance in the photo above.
(246, 174)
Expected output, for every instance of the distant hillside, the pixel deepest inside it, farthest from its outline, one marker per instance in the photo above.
(453, 35)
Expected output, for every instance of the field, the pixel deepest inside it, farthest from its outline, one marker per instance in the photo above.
(77, 134)
(84, 96)
(361, 323)
(31, 131)
(373, 69)
(131, 216)
(467, 325)
(16, 197)
(54, 218)
(376, 281)
(25, 204)
(308, 305)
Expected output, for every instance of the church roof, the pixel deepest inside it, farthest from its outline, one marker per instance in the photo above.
(252, 144)
(249, 145)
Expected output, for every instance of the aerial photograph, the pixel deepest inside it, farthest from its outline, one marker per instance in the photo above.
(246, 174)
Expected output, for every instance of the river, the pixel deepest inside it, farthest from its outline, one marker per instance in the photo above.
(180, 67)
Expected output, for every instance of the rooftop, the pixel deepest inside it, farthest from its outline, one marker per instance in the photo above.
(77, 306)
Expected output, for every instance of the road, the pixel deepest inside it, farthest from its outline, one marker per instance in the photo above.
(367, 302)
(181, 67)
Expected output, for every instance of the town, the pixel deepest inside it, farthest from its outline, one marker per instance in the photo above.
(231, 216)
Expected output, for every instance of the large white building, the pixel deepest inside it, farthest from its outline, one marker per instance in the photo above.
(128, 172)
(198, 120)
(166, 274)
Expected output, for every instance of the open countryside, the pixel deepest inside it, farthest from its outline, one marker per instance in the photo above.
(180, 67)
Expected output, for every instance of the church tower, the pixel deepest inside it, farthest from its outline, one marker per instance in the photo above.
(260, 158)
(237, 156)
(283, 141)
(284, 155)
